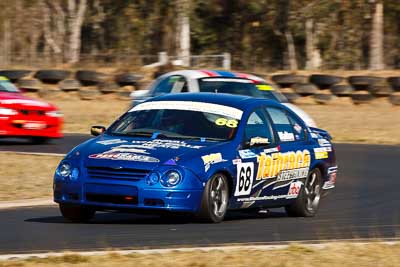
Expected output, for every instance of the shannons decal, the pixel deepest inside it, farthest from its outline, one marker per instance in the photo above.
(111, 142)
(284, 166)
(211, 159)
(154, 144)
(123, 156)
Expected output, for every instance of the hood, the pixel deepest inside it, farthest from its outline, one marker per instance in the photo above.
(302, 114)
(142, 153)
(17, 100)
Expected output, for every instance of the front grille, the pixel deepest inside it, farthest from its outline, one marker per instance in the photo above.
(124, 174)
(32, 112)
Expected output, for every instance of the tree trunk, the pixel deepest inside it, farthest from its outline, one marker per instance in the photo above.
(291, 51)
(312, 53)
(75, 15)
(183, 32)
(376, 41)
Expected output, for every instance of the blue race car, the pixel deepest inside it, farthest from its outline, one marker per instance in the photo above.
(198, 153)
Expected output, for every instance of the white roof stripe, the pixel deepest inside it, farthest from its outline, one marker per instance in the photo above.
(191, 106)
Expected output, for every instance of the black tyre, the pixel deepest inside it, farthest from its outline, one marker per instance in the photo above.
(50, 93)
(323, 98)
(38, 140)
(15, 75)
(380, 90)
(287, 80)
(214, 202)
(30, 85)
(361, 97)
(394, 83)
(307, 202)
(305, 89)
(342, 90)
(77, 213)
(108, 87)
(291, 96)
(362, 83)
(88, 77)
(128, 79)
(52, 76)
(70, 85)
(325, 81)
(395, 98)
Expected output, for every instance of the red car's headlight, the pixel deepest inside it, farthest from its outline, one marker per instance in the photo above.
(8, 112)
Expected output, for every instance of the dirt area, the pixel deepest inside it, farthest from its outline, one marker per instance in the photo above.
(30, 176)
(377, 122)
(338, 255)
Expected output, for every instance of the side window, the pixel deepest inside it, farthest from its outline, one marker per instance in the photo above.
(282, 124)
(171, 84)
(258, 126)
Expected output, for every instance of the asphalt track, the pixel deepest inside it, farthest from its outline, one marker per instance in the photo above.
(365, 204)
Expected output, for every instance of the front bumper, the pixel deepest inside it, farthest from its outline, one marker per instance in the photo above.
(128, 196)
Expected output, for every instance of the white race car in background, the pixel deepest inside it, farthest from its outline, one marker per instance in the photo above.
(216, 81)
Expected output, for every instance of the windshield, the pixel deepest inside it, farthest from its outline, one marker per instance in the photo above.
(6, 86)
(239, 87)
(179, 122)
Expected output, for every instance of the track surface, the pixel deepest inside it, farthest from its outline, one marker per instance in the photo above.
(365, 204)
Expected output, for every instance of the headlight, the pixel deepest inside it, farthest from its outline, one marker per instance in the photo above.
(64, 170)
(54, 114)
(8, 111)
(171, 178)
(152, 178)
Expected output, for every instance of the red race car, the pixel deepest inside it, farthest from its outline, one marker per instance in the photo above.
(21, 116)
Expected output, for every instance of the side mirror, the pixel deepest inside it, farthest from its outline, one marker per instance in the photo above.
(258, 141)
(97, 130)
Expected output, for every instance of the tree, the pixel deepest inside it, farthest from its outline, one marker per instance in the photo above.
(376, 40)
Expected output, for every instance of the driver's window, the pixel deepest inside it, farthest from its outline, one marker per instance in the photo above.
(171, 84)
(258, 126)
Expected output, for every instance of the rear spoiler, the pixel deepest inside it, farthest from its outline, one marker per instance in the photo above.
(322, 133)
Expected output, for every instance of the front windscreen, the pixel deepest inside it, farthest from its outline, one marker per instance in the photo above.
(184, 120)
(6, 86)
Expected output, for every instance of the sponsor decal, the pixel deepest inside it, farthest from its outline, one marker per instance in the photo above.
(251, 199)
(294, 189)
(212, 159)
(123, 156)
(314, 135)
(264, 87)
(226, 122)
(247, 154)
(332, 173)
(271, 150)
(217, 109)
(244, 179)
(286, 136)
(270, 166)
(236, 161)
(292, 174)
(111, 142)
(322, 152)
(297, 128)
(158, 143)
(128, 148)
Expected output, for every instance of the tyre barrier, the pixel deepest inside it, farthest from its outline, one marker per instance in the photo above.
(361, 97)
(90, 78)
(305, 89)
(394, 98)
(362, 83)
(14, 75)
(89, 93)
(323, 81)
(108, 87)
(323, 98)
(342, 90)
(30, 85)
(70, 85)
(287, 80)
(52, 76)
(394, 83)
(128, 78)
(50, 93)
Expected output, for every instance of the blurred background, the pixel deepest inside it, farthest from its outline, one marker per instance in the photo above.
(247, 35)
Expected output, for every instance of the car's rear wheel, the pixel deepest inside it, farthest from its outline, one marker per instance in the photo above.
(214, 203)
(77, 213)
(307, 202)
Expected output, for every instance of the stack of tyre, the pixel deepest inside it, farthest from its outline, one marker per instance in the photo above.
(323, 88)
(87, 83)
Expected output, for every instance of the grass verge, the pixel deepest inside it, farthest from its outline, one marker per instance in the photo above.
(333, 255)
(26, 176)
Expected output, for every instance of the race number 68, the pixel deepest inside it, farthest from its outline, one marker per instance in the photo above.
(244, 179)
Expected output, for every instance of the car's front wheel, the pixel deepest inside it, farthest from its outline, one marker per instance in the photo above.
(77, 213)
(214, 203)
(307, 202)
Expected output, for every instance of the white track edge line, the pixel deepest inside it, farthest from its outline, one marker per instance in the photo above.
(33, 153)
(193, 249)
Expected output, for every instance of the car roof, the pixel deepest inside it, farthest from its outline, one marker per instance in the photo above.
(237, 101)
(206, 73)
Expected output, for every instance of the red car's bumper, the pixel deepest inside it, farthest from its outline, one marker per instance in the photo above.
(32, 125)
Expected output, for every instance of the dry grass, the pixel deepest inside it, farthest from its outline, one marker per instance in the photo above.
(338, 255)
(26, 176)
